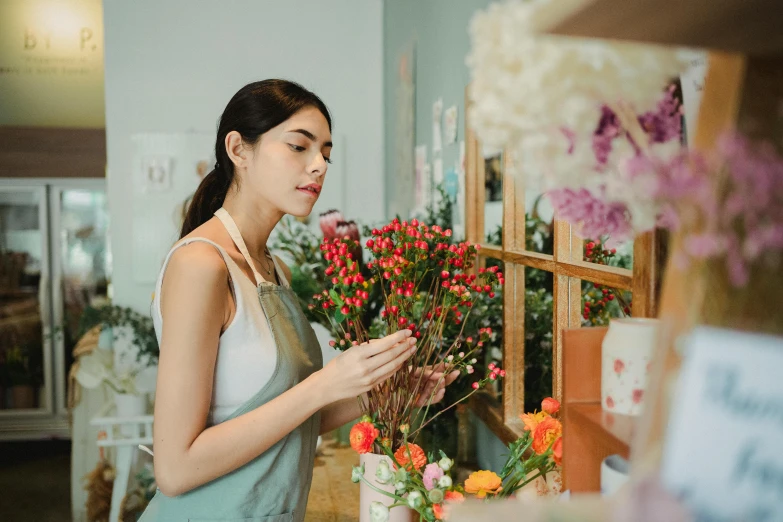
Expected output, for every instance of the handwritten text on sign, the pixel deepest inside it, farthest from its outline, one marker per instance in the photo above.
(724, 446)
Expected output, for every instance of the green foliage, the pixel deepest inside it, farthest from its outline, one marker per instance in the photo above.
(22, 366)
(113, 316)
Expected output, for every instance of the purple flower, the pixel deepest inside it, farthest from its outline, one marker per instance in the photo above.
(432, 473)
(594, 216)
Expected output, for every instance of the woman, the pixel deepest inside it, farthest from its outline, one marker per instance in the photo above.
(242, 395)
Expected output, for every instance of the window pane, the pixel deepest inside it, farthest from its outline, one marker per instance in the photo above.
(21, 321)
(602, 303)
(487, 312)
(539, 223)
(85, 260)
(605, 252)
(538, 337)
(493, 197)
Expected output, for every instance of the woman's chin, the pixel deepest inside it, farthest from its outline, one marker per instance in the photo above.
(300, 210)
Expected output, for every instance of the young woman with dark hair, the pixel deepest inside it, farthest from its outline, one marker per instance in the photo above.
(242, 393)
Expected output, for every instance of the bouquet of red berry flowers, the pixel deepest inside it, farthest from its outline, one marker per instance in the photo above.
(425, 283)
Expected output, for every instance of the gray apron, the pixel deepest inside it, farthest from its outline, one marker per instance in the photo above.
(274, 486)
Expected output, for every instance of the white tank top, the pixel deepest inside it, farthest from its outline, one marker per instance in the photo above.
(247, 354)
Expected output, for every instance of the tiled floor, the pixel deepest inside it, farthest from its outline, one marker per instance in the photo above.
(333, 497)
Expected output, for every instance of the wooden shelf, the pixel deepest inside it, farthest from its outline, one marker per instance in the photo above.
(490, 411)
(589, 433)
(609, 428)
(741, 26)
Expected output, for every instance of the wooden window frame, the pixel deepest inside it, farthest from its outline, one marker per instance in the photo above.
(568, 269)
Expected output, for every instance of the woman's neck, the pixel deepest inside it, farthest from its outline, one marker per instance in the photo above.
(255, 221)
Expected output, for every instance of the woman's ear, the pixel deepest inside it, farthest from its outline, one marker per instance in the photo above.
(235, 147)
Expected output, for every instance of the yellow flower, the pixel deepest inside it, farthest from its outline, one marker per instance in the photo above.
(532, 420)
(482, 482)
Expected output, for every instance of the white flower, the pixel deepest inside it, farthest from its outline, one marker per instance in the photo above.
(445, 482)
(399, 487)
(435, 496)
(383, 474)
(378, 512)
(415, 499)
(94, 368)
(527, 86)
(445, 464)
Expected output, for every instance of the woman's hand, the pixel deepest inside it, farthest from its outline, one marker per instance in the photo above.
(361, 368)
(434, 382)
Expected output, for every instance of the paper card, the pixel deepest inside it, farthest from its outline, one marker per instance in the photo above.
(426, 187)
(723, 452)
(437, 114)
(692, 81)
(450, 124)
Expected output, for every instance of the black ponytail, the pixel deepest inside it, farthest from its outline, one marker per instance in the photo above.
(255, 109)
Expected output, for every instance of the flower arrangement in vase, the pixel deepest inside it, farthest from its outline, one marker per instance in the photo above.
(422, 483)
(425, 282)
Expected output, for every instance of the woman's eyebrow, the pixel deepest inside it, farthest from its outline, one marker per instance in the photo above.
(310, 135)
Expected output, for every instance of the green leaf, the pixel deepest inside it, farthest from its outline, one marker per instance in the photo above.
(339, 317)
(336, 298)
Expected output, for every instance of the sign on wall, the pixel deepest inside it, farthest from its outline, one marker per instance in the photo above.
(51, 63)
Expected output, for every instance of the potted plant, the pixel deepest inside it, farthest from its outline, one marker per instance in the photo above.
(21, 376)
(126, 362)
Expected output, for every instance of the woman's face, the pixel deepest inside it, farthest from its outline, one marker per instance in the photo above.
(288, 165)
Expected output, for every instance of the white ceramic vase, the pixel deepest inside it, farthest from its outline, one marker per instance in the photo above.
(130, 405)
(625, 363)
(367, 495)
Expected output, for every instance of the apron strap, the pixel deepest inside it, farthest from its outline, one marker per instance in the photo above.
(223, 215)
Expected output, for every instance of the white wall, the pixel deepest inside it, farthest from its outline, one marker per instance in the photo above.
(172, 65)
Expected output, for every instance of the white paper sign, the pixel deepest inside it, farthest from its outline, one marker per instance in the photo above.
(437, 114)
(692, 81)
(724, 446)
(450, 124)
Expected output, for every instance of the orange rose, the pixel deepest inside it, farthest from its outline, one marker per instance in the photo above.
(531, 420)
(557, 451)
(482, 482)
(547, 431)
(437, 510)
(454, 496)
(363, 435)
(417, 456)
(550, 405)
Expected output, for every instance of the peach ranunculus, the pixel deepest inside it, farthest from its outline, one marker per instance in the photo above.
(547, 432)
(557, 451)
(417, 456)
(483, 482)
(531, 420)
(437, 510)
(550, 405)
(363, 435)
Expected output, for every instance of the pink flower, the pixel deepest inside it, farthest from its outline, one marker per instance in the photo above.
(432, 473)
(349, 230)
(637, 396)
(619, 366)
(328, 221)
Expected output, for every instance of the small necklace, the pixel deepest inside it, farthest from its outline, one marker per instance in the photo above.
(263, 265)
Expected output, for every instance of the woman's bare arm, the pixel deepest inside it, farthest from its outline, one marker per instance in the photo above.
(194, 307)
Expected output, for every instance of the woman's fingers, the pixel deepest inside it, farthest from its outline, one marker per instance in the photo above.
(377, 346)
(388, 369)
(405, 348)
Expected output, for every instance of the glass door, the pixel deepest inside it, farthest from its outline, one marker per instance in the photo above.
(81, 267)
(25, 306)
